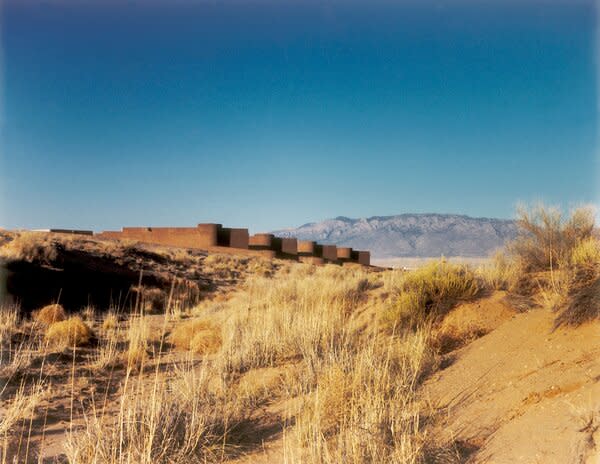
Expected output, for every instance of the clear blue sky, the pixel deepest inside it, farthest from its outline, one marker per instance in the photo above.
(274, 113)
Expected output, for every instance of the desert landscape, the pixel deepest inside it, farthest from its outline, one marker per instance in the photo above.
(229, 358)
(299, 232)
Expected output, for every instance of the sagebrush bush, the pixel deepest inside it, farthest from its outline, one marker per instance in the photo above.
(50, 314)
(431, 291)
(70, 332)
(548, 237)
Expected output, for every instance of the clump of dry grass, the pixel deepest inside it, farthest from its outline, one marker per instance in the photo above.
(107, 354)
(110, 321)
(200, 336)
(501, 273)
(138, 337)
(89, 314)
(9, 320)
(431, 291)
(50, 314)
(71, 332)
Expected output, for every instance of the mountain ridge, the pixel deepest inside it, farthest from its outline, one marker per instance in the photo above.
(411, 234)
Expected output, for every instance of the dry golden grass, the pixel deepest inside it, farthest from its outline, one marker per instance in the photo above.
(110, 321)
(71, 332)
(200, 336)
(501, 273)
(9, 320)
(107, 354)
(21, 406)
(88, 313)
(586, 252)
(308, 340)
(292, 337)
(138, 338)
(30, 246)
(364, 407)
(173, 422)
(50, 314)
(431, 291)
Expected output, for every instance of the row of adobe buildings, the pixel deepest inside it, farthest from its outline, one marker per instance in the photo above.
(216, 238)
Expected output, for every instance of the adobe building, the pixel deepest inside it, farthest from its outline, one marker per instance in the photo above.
(344, 254)
(216, 238)
(361, 257)
(327, 252)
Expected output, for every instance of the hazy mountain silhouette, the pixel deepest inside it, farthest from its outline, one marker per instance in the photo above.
(418, 235)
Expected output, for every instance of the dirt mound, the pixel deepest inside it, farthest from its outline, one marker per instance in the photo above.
(79, 271)
(481, 316)
(522, 393)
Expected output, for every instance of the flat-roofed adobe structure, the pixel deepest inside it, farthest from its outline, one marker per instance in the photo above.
(216, 238)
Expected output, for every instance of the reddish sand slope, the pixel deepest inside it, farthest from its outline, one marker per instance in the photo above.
(523, 393)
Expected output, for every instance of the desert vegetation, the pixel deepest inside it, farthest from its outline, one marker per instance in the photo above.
(294, 363)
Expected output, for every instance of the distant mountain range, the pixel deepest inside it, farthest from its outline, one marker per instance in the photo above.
(411, 235)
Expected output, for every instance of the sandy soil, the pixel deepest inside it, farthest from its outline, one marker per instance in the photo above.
(523, 393)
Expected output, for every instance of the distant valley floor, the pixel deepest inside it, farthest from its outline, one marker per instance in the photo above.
(409, 262)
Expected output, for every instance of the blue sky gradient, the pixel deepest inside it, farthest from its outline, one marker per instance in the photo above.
(273, 114)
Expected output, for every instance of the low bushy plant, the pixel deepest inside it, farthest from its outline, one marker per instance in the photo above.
(431, 291)
(70, 332)
(199, 336)
(50, 314)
